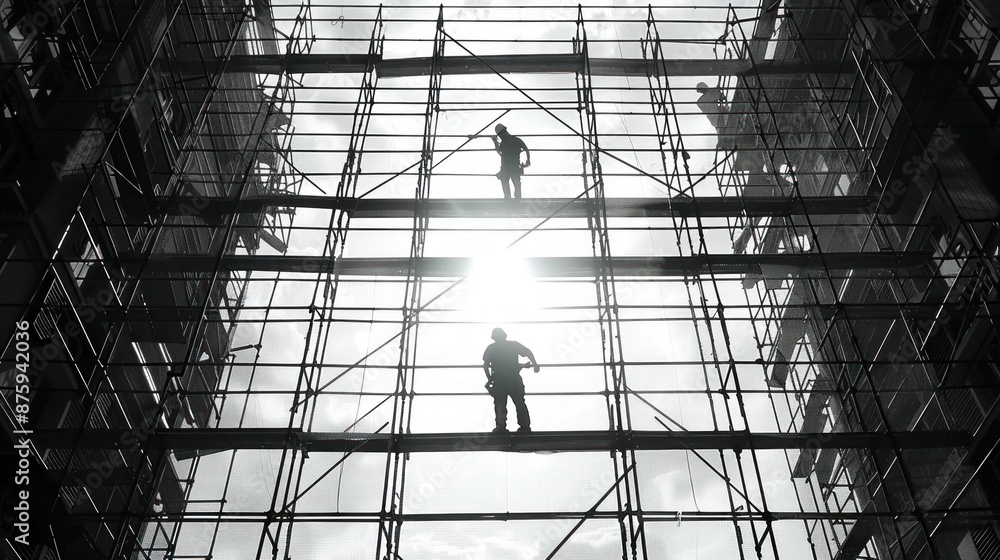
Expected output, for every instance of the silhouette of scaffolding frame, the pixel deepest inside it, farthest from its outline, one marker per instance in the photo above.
(700, 274)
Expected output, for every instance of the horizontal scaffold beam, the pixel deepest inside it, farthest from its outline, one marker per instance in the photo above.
(773, 265)
(851, 311)
(648, 516)
(199, 439)
(326, 63)
(709, 207)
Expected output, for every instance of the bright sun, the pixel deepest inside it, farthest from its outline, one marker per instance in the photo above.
(502, 290)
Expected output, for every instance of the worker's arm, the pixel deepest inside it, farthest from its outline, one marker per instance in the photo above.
(489, 378)
(496, 145)
(527, 154)
(531, 359)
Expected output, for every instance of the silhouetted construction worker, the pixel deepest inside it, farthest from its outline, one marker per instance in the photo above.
(713, 104)
(749, 153)
(509, 147)
(500, 362)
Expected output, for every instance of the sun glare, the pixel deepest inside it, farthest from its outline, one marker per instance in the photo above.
(502, 290)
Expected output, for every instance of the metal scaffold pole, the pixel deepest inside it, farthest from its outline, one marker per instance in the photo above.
(393, 503)
(631, 523)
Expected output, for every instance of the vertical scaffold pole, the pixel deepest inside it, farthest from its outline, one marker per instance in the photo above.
(292, 460)
(630, 519)
(327, 282)
(395, 474)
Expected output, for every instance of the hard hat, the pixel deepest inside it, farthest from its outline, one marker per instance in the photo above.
(500, 128)
(498, 334)
(702, 86)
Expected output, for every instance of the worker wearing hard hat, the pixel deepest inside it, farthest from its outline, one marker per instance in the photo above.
(510, 147)
(500, 361)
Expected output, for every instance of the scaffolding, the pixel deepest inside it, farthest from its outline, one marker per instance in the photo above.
(753, 344)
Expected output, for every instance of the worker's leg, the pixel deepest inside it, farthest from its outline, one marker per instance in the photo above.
(505, 184)
(517, 185)
(517, 395)
(500, 406)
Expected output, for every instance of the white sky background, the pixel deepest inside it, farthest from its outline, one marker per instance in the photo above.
(506, 295)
